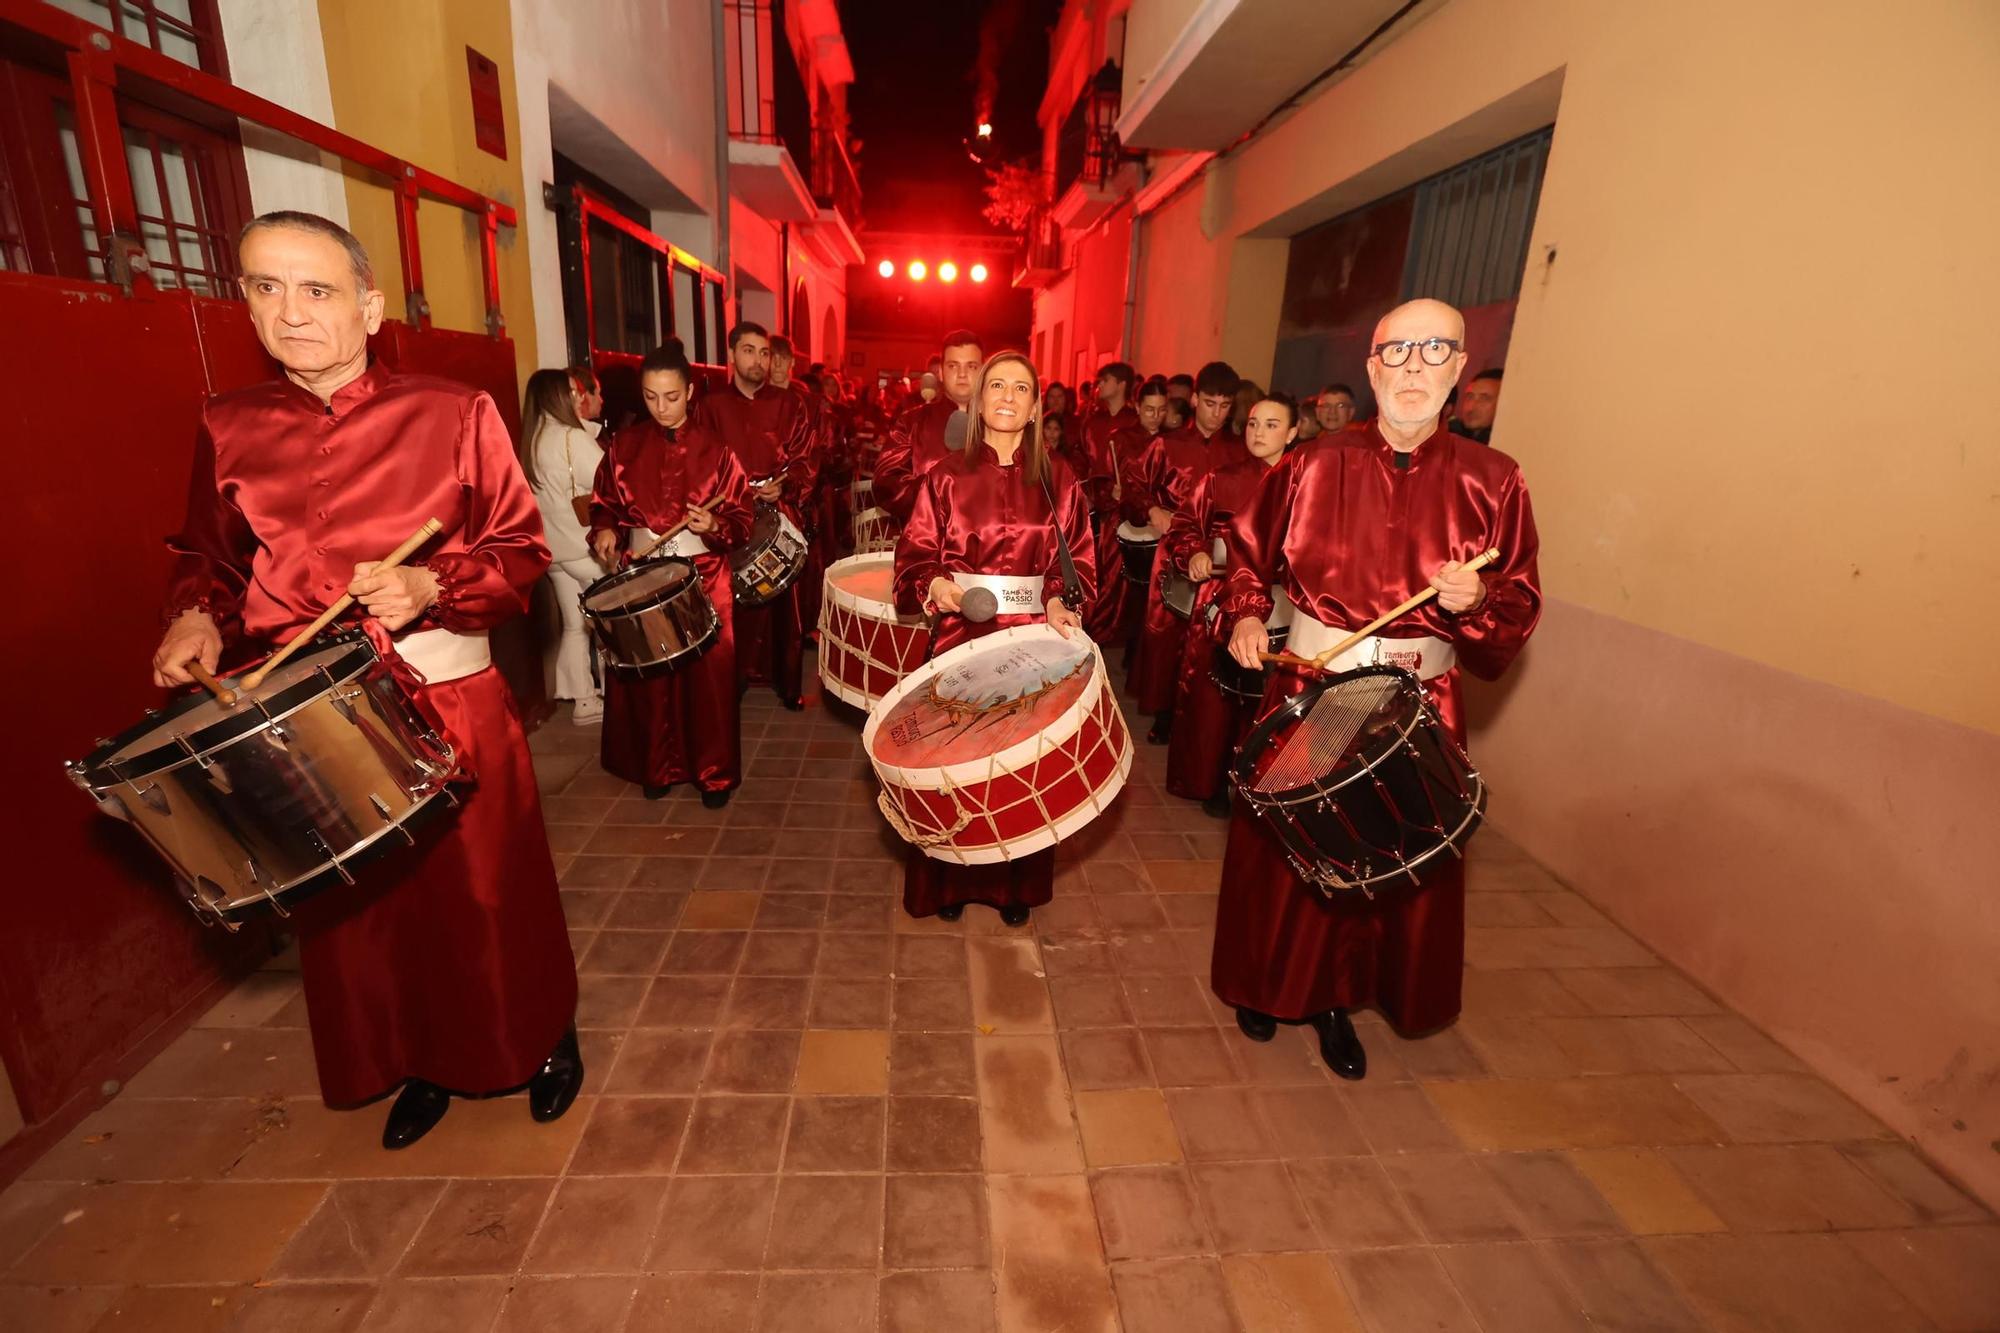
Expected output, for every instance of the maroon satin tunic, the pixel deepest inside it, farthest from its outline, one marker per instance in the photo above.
(451, 962)
(1349, 535)
(973, 515)
(915, 444)
(770, 432)
(1166, 475)
(683, 726)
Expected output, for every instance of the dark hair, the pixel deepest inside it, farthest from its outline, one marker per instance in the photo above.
(1284, 400)
(1153, 388)
(357, 253)
(1182, 378)
(1337, 387)
(780, 345)
(743, 329)
(1121, 371)
(584, 377)
(1494, 374)
(957, 338)
(1217, 377)
(669, 356)
(548, 398)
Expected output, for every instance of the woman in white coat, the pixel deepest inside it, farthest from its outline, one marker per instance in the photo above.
(560, 454)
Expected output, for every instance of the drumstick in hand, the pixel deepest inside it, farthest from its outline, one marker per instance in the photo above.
(430, 529)
(674, 531)
(1480, 561)
(223, 694)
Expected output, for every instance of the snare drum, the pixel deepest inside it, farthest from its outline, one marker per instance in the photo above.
(322, 767)
(1177, 591)
(652, 617)
(1139, 546)
(769, 562)
(1360, 782)
(864, 646)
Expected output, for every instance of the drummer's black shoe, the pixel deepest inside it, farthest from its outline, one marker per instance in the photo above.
(793, 705)
(951, 913)
(1217, 805)
(715, 800)
(419, 1106)
(554, 1085)
(1016, 915)
(1163, 729)
(654, 791)
(1256, 1026)
(1339, 1046)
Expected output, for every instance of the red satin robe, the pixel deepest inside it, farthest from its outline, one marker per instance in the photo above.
(1103, 481)
(1349, 535)
(972, 515)
(914, 445)
(449, 961)
(1208, 724)
(1166, 475)
(683, 726)
(812, 507)
(771, 435)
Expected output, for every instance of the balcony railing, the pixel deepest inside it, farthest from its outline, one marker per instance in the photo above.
(768, 101)
(835, 185)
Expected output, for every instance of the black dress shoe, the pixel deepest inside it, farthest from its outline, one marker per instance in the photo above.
(1217, 806)
(1339, 1046)
(1256, 1026)
(654, 791)
(715, 800)
(554, 1085)
(951, 913)
(1016, 915)
(794, 705)
(419, 1106)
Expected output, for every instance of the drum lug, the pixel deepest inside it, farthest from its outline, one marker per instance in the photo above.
(343, 700)
(218, 778)
(319, 844)
(187, 748)
(154, 799)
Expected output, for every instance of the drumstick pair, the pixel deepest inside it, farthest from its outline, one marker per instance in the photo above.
(1478, 562)
(227, 696)
(675, 530)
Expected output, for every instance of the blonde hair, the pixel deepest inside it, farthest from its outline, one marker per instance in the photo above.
(551, 396)
(1034, 457)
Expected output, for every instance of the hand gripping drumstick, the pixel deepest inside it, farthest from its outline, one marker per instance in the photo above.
(223, 694)
(396, 557)
(674, 531)
(1480, 561)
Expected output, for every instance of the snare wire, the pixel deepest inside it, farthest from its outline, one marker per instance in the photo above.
(1320, 741)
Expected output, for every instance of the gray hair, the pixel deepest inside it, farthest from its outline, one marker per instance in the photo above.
(357, 253)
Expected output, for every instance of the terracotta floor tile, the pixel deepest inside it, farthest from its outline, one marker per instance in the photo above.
(1619, 1288)
(1169, 1001)
(1089, 1002)
(933, 1006)
(714, 1223)
(206, 1309)
(695, 1303)
(936, 1221)
(1619, 1111)
(1646, 1192)
(1550, 1196)
(753, 1062)
(478, 1226)
(1553, 947)
(1126, 1127)
(601, 1224)
(735, 1135)
(1513, 1289)
(1008, 995)
(1634, 1046)
(632, 1136)
(780, 911)
(1952, 1274)
(131, 1139)
(255, 1001)
(29, 1210)
(720, 910)
(827, 1222)
(315, 1307)
(1400, 1117)
(684, 1002)
(846, 954)
(1523, 993)
(1250, 1206)
(845, 913)
(767, 1002)
(1771, 1188)
(488, 1137)
(854, 1062)
(1024, 1108)
(231, 1062)
(704, 951)
(836, 1134)
(658, 1062)
(1633, 991)
(579, 1304)
(937, 956)
(780, 953)
(938, 1063)
(360, 1229)
(1076, 954)
(1906, 1176)
(855, 1002)
(1289, 1059)
(608, 1002)
(170, 1233)
(645, 911)
(55, 1309)
(1452, 1198)
(1106, 1058)
(1288, 1293)
(1219, 1124)
(1778, 1108)
(1146, 953)
(1188, 1295)
(834, 1302)
(1782, 1284)
(1517, 1047)
(1148, 1212)
(1352, 1203)
(1309, 1122)
(1511, 909)
(934, 1134)
(627, 952)
(927, 1302)
(1404, 1289)
(1115, 877)
(1130, 911)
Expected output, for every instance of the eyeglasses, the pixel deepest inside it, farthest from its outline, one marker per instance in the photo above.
(1436, 351)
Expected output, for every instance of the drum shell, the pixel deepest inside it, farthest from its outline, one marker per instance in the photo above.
(651, 637)
(1238, 681)
(763, 567)
(1138, 556)
(1177, 592)
(291, 806)
(865, 648)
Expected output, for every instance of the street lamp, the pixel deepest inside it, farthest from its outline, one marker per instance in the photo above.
(887, 268)
(918, 270)
(947, 272)
(978, 273)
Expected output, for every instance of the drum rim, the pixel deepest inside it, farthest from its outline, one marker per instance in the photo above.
(1294, 708)
(630, 571)
(327, 873)
(1138, 534)
(101, 773)
(835, 593)
(1475, 815)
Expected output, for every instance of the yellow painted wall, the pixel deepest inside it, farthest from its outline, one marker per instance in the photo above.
(399, 80)
(1751, 395)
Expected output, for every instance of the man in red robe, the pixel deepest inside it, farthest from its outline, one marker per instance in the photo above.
(1349, 526)
(448, 969)
(917, 441)
(819, 433)
(1103, 481)
(769, 432)
(1161, 485)
(682, 725)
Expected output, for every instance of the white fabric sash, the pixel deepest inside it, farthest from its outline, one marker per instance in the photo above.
(1018, 594)
(685, 543)
(441, 655)
(1425, 656)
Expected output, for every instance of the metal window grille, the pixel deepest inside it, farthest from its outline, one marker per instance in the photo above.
(14, 253)
(184, 221)
(189, 31)
(1470, 226)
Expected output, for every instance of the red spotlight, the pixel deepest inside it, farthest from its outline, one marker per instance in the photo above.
(947, 272)
(918, 270)
(887, 268)
(978, 273)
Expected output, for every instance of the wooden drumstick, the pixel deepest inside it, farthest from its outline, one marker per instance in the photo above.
(674, 531)
(1480, 561)
(223, 694)
(430, 529)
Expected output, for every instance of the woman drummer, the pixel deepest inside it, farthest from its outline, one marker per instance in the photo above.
(662, 471)
(993, 511)
(1208, 723)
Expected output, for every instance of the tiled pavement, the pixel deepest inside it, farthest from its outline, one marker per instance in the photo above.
(807, 1112)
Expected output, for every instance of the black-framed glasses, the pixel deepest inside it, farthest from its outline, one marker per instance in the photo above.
(1435, 351)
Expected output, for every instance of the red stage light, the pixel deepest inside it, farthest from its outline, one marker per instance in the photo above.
(887, 268)
(918, 270)
(978, 273)
(947, 272)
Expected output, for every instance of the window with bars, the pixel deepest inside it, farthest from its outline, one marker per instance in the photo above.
(189, 31)
(1470, 225)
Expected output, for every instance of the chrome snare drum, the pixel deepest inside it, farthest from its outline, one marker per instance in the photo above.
(323, 766)
(652, 617)
(770, 560)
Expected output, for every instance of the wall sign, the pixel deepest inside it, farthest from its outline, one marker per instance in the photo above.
(489, 115)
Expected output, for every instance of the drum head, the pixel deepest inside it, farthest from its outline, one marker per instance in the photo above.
(1330, 727)
(1137, 536)
(985, 702)
(865, 579)
(641, 584)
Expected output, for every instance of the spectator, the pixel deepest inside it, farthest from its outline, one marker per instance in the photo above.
(559, 456)
(1478, 402)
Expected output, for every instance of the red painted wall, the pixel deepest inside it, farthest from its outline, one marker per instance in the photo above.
(102, 392)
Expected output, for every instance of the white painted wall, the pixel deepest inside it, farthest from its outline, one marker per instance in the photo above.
(276, 51)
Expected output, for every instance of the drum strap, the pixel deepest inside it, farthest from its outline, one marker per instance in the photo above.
(1072, 591)
(1426, 657)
